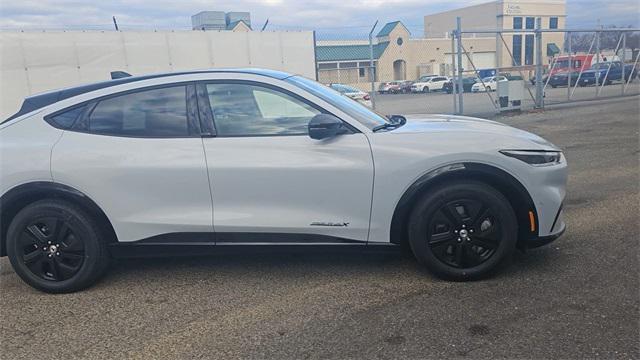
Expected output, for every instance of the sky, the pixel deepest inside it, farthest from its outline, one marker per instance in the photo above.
(348, 17)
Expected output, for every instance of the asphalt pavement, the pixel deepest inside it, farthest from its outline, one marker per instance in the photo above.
(577, 298)
(483, 103)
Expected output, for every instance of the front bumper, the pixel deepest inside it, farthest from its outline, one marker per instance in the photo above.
(557, 229)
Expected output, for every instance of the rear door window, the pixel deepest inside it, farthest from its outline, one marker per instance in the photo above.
(159, 112)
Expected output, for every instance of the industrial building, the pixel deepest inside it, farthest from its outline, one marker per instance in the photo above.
(219, 20)
(398, 56)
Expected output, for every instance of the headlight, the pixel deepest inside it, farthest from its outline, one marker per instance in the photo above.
(535, 157)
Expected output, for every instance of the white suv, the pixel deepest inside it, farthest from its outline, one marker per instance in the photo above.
(431, 83)
(202, 159)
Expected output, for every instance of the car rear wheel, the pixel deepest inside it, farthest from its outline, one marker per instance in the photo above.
(463, 230)
(56, 247)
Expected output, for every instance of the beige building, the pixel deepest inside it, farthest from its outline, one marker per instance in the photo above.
(506, 15)
(397, 56)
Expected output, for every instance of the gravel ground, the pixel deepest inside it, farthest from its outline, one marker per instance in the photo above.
(577, 298)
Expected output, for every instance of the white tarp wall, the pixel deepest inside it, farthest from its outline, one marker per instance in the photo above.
(33, 62)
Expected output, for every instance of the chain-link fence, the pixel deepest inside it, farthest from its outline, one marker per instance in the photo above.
(534, 64)
(399, 68)
(396, 69)
(386, 66)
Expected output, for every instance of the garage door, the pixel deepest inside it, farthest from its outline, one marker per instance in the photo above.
(485, 60)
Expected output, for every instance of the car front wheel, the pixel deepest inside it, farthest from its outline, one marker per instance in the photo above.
(56, 247)
(463, 230)
(425, 89)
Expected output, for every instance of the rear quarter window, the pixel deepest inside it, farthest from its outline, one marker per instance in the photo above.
(65, 119)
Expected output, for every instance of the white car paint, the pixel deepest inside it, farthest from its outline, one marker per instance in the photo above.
(270, 184)
(434, 83)
(488, 84)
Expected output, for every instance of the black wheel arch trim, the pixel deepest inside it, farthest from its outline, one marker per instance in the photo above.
(468, 170)
(12, 201)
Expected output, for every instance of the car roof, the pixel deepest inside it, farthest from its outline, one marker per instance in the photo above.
(41, 100)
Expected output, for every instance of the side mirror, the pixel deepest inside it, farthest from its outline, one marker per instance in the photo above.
(397, 119)
(324, 126)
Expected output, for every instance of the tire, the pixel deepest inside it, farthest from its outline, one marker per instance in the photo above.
(56, 247)
(488, 89)
(450, 254)
(554, 86)
(425, 89)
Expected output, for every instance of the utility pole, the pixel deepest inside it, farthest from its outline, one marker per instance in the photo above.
(372, 74)
(460, 68)
(115, 23)
(539, 85)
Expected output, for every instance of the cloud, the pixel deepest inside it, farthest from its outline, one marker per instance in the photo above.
(354, 16)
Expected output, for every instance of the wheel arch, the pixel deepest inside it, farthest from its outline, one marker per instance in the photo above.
(507, 184)
(22, 195)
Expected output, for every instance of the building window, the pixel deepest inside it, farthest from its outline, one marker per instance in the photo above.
(347, 65)
(399, 41)
(361, 72)
(553, 23)
(517, 23)
(531, 23)
(517, 50)
(327, 66)
(528, 50)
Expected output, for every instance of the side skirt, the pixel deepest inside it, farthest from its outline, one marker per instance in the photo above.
(197, 244)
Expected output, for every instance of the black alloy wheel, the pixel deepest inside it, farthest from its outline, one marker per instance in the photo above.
(462, 230)
(57, 246)
(464, 233)
(51, 248)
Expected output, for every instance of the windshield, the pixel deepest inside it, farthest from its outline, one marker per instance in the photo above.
(488, 79)
(363, 114)
(605, 65)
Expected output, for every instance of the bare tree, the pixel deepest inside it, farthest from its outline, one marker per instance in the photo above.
(581, 41)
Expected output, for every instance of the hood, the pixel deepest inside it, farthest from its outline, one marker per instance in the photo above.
(482, 129)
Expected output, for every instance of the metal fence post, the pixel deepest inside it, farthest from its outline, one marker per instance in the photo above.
(460, 69)
(372, 73)
(597, 63)
(454, 85)
(570, 66)
(315, 48)
(623, 59)
(539, 89)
